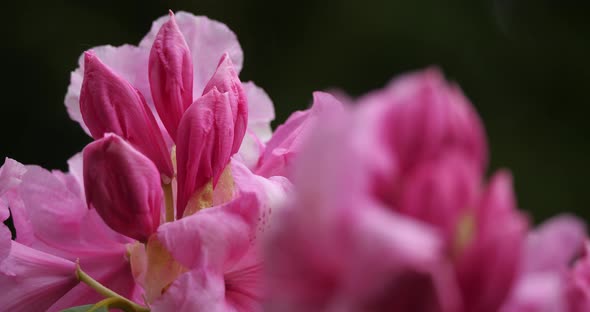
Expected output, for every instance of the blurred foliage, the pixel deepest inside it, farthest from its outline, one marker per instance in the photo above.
(524, 64)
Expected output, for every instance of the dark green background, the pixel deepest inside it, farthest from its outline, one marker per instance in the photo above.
(524, 64)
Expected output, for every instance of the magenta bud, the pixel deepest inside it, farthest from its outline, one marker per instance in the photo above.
(225, 79)
(203, 145)
(423, 116)
(171, 75)
(123, 186)
(109, 103)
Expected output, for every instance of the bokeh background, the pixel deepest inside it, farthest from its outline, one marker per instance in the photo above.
(524, 64)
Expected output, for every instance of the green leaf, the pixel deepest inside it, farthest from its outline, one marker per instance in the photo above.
(85, 308)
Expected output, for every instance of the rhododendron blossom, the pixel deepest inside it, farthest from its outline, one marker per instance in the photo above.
(185, 200)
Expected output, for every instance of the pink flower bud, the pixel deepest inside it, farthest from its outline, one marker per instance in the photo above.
(441, 193)
(110, 104)
(171, 75)
(123, 186)
(421, 116)
(203, 145)
(489, 265)
(226, 79)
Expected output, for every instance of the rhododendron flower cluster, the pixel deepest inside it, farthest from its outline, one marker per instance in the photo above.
(185, 200)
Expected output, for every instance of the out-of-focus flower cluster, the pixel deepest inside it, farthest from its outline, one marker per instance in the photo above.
(186, 201)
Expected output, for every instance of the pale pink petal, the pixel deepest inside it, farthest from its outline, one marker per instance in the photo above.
(112, 271)
(537, 293)
(286, 141)
(553, 245)
(75, 168)
(194, 291)
(31, 279)
(207, 40)
(110, 104)
(123, 186)
(49, 217)
(216, 237)
(171, 75)
(260, 111)
(11, 173)
(204, 143)
(251, 149)
(5, 242)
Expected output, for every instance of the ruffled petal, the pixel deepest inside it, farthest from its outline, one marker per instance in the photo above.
(260, 111)
(286, 141)
(194, 291)
(215, 237)
(34, 279)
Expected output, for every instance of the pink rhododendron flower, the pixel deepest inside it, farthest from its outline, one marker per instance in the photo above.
(187, 69)
(184, 202)
(414, 151)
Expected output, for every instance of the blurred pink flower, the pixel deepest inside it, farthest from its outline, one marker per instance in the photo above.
(412, 154)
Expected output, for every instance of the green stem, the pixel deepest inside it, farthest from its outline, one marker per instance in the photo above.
(169, 202)
(114, 297)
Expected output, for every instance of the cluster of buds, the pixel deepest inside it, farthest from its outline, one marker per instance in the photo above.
(186, 201)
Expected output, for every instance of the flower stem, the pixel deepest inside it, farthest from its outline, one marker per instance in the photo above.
(113, 298)
(169, 202)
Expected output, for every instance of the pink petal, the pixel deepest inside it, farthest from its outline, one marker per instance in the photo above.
(171, 75)
(286, 141)
(49, 217)
(250, 151)
(537, 293)
(5, 242)
(226, 80)
(110, 104)
(260, 111)
(195, 291)
(207, 40)
(215, 237)
(30, 278)
(123, 186)
(205, 138)
(554, 244)
(112, 271)
(11, 173)
(75, 168)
